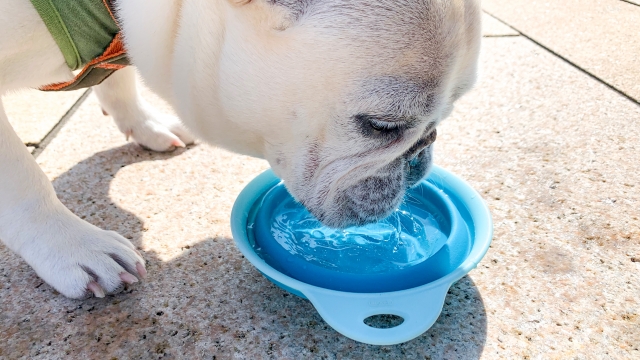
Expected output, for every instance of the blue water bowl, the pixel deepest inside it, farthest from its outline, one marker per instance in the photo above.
(347, 289)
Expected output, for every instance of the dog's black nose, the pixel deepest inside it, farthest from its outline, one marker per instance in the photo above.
(418, 158)
(419, 146)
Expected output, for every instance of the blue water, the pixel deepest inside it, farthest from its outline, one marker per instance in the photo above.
(407, 237)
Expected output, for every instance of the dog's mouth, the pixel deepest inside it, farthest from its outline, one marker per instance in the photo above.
(372, 198)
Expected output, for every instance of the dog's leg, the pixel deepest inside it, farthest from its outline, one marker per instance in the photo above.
(119, 97)
(73, 256)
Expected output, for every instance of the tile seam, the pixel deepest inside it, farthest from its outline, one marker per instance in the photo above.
(629, 2)
(593, 76)
(503, 23)
(40, 146)
(499, 36)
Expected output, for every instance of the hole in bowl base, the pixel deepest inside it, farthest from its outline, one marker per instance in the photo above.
(384, 321)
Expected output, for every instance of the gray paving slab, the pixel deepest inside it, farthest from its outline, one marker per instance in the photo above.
(600, 36)
(552, 150)
(33, 113)
(493, 27)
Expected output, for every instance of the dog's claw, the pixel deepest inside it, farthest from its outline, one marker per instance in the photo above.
(178, 143)
(104, 112)
(128, 278)
(96, 289)
(141, 270)
(155, 131)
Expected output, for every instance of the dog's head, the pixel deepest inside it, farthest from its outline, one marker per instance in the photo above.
(342, 97)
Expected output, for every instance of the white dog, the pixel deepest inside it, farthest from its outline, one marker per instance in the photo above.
(340, 96)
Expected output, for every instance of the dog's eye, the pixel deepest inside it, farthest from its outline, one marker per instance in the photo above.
(379, 125)
(382, 126)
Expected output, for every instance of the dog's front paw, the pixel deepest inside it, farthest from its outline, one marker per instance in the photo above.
(158, 132)
(79, 259)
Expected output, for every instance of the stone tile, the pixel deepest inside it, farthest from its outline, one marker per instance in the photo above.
(493, 27)
(554, 153)
(557, 168)
(33, 113)
(599, 36)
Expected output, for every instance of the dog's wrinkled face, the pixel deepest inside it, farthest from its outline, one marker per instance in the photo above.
(342, 97)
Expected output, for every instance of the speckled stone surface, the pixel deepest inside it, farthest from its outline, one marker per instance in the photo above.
(600, 36)
(202, 299)
(553, 151)
(493, 27)
(33, 113)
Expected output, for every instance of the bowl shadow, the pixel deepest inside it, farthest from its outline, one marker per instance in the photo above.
(224, 303)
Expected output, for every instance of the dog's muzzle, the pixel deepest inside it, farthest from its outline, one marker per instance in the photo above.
(375, 197)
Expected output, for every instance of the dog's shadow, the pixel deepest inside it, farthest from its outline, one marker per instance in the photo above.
(210, 289)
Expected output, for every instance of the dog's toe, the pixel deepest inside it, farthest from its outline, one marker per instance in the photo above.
(160, 132)
(79, 259)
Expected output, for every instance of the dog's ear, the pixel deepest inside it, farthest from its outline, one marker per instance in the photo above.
(291, 10)
(285, 12)
(295, 8)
